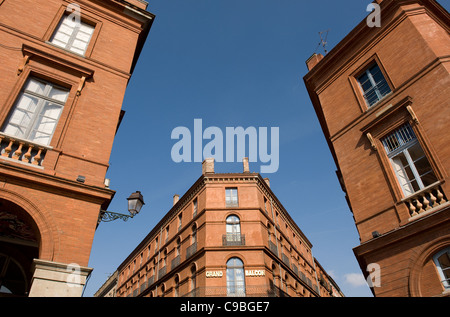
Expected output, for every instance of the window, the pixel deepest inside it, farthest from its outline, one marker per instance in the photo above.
(13, 280)
(194, 213)
(180, 218)
(194, 235)
(178, 249)
(235, 277)
(408, 159)
(442, 262)
(231, 198)
(72, 35)
(177, 286)
(373, 85)
(233, 225)
(233, 228)
(36, 112)
(193, 283)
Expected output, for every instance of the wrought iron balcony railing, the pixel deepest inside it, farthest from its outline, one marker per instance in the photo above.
(233, 239)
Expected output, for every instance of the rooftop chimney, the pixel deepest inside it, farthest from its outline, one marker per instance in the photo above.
(208, 166)
(246, 166)
(176, 198)
(313, 60)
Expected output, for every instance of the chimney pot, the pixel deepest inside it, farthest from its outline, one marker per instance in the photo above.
(208, 166)
(246, 165)
(313, 60)
(176, 198)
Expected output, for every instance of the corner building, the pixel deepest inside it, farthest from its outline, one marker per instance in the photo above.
(64, 69)
(382, 99)
(228, 235)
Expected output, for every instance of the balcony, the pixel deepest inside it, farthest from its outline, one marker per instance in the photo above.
(191, 250)
(162, 272)
(425, 200)
(175, 262)
(273, 248)
(22, 151)
(247, 291)
(285, 259)
(233, 239)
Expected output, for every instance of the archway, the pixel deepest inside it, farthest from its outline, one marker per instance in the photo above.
(19, 245)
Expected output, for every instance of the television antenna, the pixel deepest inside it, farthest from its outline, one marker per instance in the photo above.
(323, 41)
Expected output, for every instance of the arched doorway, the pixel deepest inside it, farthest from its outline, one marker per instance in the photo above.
(19, 245)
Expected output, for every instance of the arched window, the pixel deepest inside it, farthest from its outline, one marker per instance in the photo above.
(12, 277)
(193, 281)
(177, 286)
(194, 234)
(235, 277)
(233, 225)
(178, 248)
(233, 228)
(442, 261)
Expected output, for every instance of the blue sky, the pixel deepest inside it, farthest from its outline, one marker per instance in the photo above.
(231, 63)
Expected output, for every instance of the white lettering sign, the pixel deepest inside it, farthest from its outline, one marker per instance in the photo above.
(214, 273)
(255, 273)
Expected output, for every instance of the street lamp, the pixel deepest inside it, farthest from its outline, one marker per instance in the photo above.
(135, 203)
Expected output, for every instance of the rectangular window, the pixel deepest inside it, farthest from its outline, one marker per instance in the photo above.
(72, 35)
(408, 159)
(36, 112)
(231, 198)
(194, 213)
(373, 85)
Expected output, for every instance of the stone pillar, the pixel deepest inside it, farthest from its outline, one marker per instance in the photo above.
(52, 279)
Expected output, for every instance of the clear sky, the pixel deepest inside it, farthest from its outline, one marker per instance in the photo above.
(231, 63)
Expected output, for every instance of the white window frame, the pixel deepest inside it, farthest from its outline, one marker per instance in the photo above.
(399, 142)
(235, 277)
(231, 197)
(38, 115)
(233, 225)
(445, 282)
(77, 30)
(375, 86)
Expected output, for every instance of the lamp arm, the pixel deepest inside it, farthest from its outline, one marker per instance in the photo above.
(107, 216)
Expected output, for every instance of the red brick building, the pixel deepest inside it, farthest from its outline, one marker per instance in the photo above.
(382, 99)
(228, 235)
(64, 69)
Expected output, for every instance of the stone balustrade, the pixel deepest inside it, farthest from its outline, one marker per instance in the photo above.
(21, 150)
(425, 199)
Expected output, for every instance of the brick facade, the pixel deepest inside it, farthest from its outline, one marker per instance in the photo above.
(412, 49)
(189, 251)
(60, 195)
